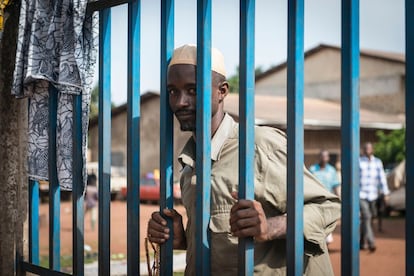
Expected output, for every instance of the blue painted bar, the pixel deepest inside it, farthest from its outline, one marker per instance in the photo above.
(34, 222)
(350, 138)
(54, 189)
(133, 137)
(78, 188)
(104, 143)
(166, 130)
(295, 147)
(409, 136)
(246, 128)
(203, 136)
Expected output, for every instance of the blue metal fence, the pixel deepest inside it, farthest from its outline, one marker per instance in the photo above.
(295, 82)
(246, 128)
(409, 138)
(350, 138)
(350, 142)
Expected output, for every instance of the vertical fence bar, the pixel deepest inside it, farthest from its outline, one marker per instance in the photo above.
(409, 138)
(295, 146)
(78, 188)
(34, 222)
(166, 130)
(133, 136)
(350, 138)
(246, 131)
(104, 121)
(54, 189)
(203, 136)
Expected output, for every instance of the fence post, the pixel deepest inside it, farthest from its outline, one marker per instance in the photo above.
(295, 63)
(350, 138)
(409, 138)
(246, 130)
(104, 119)
(77, 192)
(133, 137)
(166, 130)
(203, 136)
(34, 222)
(54, 189)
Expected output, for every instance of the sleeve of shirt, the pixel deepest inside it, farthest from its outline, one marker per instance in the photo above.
(383, 179)
(321, 208)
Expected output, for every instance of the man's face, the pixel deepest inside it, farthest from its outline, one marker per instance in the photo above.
(368, 149)
(324, 157)
(181, 85)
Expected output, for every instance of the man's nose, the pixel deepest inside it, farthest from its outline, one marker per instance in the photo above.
(183, 99)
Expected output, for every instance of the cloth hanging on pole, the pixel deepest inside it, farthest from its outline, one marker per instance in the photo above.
(57, 45)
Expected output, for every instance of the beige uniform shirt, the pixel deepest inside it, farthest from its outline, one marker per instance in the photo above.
(321, 208)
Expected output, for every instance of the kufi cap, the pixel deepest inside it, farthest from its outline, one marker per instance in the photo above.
(187, 54)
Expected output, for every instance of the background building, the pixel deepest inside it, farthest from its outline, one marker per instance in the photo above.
(382, 107)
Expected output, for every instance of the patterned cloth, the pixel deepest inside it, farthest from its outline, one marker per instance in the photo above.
(326, 175)
(57, 46)
(372, 178)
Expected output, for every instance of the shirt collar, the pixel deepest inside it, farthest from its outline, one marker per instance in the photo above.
(225, 130)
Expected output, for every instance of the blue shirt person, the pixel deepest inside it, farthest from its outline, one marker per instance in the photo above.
(325, 172)
(328, 176)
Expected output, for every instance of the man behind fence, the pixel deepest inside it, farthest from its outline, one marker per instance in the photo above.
(263, 218)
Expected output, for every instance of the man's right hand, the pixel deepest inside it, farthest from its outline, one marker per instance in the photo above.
(158, 232)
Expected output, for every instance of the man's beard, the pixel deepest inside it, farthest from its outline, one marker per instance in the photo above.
(187, 126)
(187, 119)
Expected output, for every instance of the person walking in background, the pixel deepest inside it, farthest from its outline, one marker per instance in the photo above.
(372, 185)
(91, 199)
(327, 175)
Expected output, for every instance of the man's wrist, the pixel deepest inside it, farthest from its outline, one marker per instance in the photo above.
(276, 227)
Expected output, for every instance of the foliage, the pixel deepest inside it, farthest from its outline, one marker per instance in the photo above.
(94, 106)
(390, 147)
(94, 102)
(234, 80)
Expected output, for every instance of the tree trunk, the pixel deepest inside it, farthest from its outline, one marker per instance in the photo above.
(13, 176)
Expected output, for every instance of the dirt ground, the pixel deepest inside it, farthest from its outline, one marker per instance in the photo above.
(389, 259)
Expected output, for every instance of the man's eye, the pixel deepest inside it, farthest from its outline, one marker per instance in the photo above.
(192, 91)
(172, 91)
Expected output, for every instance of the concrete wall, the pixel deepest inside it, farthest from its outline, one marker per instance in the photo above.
(13, 178)
(329, 139)
(381, 81)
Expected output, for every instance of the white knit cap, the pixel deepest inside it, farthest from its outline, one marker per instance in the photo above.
(187, 54)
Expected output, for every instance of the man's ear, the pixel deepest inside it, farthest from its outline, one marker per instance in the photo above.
(224, 89)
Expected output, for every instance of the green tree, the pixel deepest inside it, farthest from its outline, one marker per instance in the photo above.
(94, 105)
(234, 79)
(94, 109)
(390, 147)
